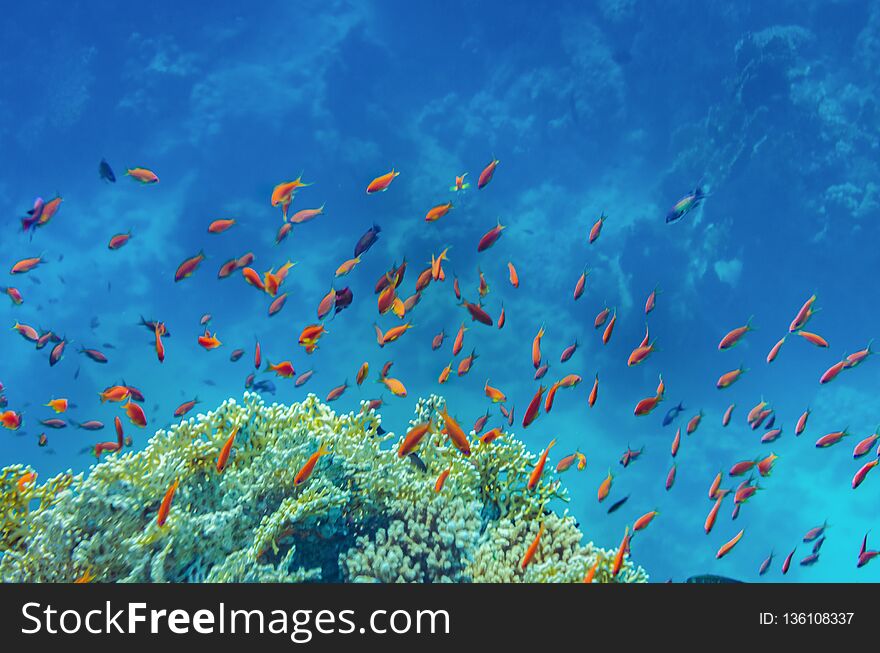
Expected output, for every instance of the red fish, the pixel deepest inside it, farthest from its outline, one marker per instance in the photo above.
(165, 506)
(534, 408)
(596, 229)
(219, 226)
(813, 338)
(725, 419)
(581, 284)
(734, 336)
(135, 413)
(651, 302)
(186, 269)
(119, 240)
(490, 237)
(831, 439)
(863, 472)
(831, 373)
(774, 352)
(729, 378)
(487, 173)
(305, 215)
(803, 315)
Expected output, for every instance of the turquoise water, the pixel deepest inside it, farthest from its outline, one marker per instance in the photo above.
(616, 107)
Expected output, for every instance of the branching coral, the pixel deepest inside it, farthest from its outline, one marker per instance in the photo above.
(364, 514)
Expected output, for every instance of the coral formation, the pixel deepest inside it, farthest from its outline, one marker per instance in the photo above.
(364, 514)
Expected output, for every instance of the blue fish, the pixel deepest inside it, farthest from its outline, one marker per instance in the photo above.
(673, 412)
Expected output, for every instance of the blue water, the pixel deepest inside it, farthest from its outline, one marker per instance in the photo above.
(616, 106)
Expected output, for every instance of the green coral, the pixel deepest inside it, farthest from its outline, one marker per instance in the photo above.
(364, 515)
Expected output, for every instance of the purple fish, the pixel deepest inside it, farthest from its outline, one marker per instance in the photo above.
(57, 352)
(343, 298)
(90, 425)
(234, 356)
(94, 354)
(568, 352)
(54, 423)
(366, 241)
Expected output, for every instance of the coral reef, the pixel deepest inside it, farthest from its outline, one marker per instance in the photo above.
(364, 514)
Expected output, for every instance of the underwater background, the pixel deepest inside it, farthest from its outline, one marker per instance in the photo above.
(619, 107)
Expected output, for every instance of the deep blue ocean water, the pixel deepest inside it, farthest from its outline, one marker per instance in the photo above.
(617, 106)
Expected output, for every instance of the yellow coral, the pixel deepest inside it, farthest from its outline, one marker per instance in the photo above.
(364, 514)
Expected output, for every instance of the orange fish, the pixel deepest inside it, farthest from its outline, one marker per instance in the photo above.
(160, 348)
(253, 278)
(209, 341)
(444, 374)
(455, 432)
(223, 458)
(535, 476)
(143, 175)
(533, 547)
(442, 479)
(58, 405)
(813, 338)
(591, 573)
(437, 265)
(639, 354)
(362, 373)
(186, 269)
(306, 470)
(726, 548)
(310, 335)
(594, 393)
(621, 553)
(605, 487)
(25, 265)
(26, 479)
(645, 406)
(437, 212)
(465, 365)
(728, 378)
(581, 284)
(165, 506)
(114, 393)
(458, 343)
(502, 319)
(394, 386)
(642, 522)
(551, 395)
(514, 277)
(10, 420)
(283, 369)
(283, 193)
(219, 226)
(414, 437)
(494, 393)
(381, 183)
(536, 348)
(395, 332)
(348, 266)
(606, 335)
